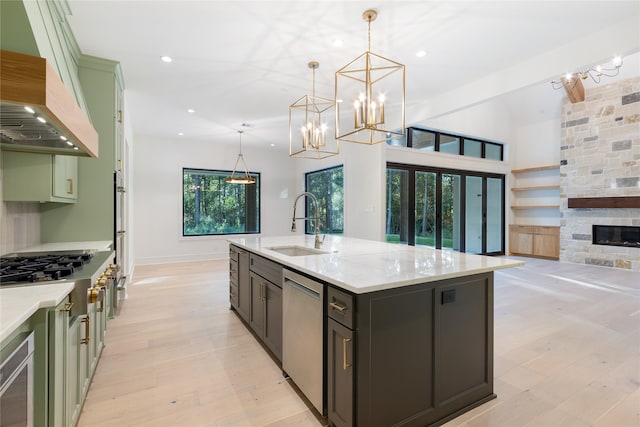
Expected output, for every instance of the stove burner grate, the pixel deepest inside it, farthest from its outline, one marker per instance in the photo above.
(25, 269)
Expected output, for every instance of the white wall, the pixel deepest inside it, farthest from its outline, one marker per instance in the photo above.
(538, 144)
(157, 195)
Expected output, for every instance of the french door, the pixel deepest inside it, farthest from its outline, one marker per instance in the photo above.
(445, 209)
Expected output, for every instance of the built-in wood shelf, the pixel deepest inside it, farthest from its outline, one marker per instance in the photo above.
(520, 207)
(537, 187)
(604, 202)
(536, 169)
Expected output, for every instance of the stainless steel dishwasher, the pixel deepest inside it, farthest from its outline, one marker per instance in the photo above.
(302, 334)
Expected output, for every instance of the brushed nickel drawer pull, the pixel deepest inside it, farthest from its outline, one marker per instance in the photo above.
(341, 308)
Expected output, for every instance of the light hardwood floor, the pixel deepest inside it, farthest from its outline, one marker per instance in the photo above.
(567, 353)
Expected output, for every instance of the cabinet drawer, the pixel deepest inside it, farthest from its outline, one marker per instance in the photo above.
(233, 294)
(340, 306)
(234, 253)
(267, 269)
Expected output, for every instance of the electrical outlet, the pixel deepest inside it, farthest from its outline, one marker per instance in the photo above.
(448, 296)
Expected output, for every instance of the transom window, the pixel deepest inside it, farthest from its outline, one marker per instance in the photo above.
(430, 140)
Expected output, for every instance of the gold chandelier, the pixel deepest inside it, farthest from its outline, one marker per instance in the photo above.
(596, 72)
(370, 84)
(307, 129)
(240, 178)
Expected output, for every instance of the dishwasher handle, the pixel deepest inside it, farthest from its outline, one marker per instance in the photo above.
(302, 288)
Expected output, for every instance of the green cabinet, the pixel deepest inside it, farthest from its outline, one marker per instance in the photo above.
(29, 177)
(58, 354)
(76, 367)
(40, 28)
(92, 217)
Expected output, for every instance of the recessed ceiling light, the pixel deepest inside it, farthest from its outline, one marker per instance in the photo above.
(166, 58)
(337, 42)
(180, 133)
(190, 110)
(421, 53)
(273, 145)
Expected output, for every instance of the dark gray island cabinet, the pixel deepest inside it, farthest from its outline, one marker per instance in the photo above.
(408, 332)
(413, 356)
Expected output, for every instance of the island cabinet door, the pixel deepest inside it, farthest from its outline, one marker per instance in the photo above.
(394, 353)
(256, 309)
(273, 318)
(340, 374)
(464, 356)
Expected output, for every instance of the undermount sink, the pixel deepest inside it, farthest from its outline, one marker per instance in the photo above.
(295, 250)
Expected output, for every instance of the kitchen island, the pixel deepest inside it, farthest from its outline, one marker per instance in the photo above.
(408, 331)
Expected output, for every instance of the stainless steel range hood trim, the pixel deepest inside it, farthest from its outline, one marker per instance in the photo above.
(31, 81)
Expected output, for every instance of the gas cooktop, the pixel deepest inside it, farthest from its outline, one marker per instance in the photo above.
(38, 267)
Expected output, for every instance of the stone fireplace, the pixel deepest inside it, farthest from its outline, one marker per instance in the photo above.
(600, 175)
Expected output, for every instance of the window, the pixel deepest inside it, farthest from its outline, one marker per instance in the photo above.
(328, 187)
(449, 144)
(430, 140)
(445, 209)
(210, 206)
(422, 140)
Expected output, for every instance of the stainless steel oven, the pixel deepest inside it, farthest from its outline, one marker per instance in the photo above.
(16, 382)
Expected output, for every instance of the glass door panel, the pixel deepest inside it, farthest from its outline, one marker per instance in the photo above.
(397, 225)
(473, 215)
(451, 203)
(425, 209)
(494, 215)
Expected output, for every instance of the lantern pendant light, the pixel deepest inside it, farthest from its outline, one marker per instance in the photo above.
(370, 91)
(240, 178)
(309, 134)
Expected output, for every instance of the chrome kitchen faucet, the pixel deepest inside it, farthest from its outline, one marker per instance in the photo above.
(318, 243)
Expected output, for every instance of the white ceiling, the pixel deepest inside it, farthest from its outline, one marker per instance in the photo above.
(240, 61)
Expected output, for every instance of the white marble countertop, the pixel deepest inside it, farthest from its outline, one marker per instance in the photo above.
(97, 245)
(362, 266)
(19, 303)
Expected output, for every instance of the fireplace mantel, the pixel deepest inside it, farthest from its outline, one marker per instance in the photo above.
(604, 202)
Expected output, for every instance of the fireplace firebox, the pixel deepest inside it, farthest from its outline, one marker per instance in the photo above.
(616, 235)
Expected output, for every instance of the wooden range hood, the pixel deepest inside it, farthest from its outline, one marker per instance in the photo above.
(31, 81)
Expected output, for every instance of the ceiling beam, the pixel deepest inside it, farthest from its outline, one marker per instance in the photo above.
(575, 89)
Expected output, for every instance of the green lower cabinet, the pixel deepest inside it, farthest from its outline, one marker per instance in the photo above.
(58, 354)
(76, 367)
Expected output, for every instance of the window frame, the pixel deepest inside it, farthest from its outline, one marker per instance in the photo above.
(226, 173)
(307, 228)
(461, 142)
(462, 173)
